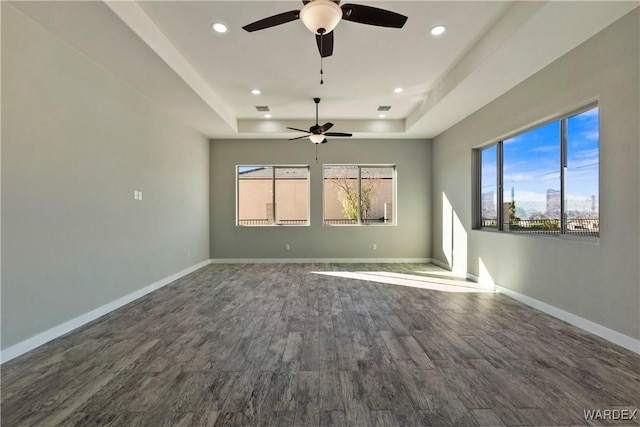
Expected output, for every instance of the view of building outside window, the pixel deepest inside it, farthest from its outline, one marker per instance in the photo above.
(358, 194)
(269, 195)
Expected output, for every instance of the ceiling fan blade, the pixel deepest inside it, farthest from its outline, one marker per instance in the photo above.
(272, 21)
(372, 16)
(325, 127)
(299, 130)
(324, 141)
(337, 134)
(299, 137)
(325, 44)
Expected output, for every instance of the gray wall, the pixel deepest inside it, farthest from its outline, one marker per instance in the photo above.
(76, 142)
(599, 282)
(409, 239)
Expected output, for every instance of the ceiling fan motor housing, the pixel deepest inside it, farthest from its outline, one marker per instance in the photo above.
(321, 16)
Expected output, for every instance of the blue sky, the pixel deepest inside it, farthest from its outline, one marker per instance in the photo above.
(583, 141)
(243, 169)
(532, 159)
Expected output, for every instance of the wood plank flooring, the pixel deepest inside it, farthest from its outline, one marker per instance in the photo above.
(316, 345)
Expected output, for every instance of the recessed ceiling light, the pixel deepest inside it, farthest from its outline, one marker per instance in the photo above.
(398, 90)
(255, 91)
(218, 27)
(438, 29)
(382, 116)
(267, 116)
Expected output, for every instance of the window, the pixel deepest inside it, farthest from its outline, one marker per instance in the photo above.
(543, 181)
(489, 187)
(581, 174)
(361, 195)
(273, 195)
(531, 180)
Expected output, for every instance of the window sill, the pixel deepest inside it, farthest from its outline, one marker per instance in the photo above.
(565, 237)
(272, 225)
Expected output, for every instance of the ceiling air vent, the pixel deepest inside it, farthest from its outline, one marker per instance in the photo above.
(262, 108)
(384, 108)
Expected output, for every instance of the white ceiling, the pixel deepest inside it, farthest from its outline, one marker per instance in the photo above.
(168, 51)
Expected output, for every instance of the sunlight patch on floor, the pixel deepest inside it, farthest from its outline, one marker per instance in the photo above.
(443, 273)
(414, 281)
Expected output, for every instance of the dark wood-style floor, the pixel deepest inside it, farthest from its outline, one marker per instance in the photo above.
(286, 345)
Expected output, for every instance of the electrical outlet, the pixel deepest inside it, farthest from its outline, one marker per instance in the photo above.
(374, 247)
(188, 254)
(287, 247)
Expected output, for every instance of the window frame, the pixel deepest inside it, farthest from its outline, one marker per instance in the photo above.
(563, 138)
(274, 168)
(360, 222)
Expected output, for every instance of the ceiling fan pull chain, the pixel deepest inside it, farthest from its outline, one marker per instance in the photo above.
(316, 153)
(321, 50)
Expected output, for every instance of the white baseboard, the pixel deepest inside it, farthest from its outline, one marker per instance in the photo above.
(318, 260)
(68, 326)
(582, 323)
(441, 264)
(472, 277)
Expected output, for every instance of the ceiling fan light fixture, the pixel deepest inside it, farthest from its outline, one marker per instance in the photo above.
(316, 138)
(320, 14)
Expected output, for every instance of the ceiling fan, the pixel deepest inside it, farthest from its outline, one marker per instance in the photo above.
(322, 16)
(316, 133)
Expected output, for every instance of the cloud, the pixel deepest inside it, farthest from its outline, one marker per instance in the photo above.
(512, 140)
(550, 176)
(584, 164)
(591, 135)
(518, 177)
(583, 158)
(589, 114)
(545, 148)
